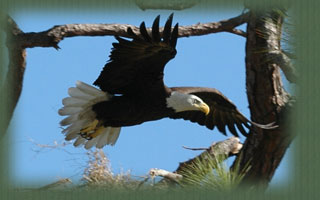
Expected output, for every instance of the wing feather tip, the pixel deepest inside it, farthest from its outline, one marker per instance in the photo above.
(131, 33)
(155, 29)
(167, 29)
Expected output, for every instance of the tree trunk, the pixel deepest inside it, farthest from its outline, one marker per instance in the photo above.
(264, 149)
(12, 86)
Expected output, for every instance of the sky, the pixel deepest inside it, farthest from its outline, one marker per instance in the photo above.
(215, 60)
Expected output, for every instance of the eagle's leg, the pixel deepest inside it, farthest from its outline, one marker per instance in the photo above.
(92, 130)
(97, 132)
(92, 126)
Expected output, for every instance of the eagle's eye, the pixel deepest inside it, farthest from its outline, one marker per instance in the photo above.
(195, 101)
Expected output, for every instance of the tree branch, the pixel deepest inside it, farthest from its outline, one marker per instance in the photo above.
(172, 176)
(53, 36)
(285, 64)
(237, 32)
(222, 149)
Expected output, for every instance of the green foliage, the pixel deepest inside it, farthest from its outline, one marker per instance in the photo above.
(212, 173)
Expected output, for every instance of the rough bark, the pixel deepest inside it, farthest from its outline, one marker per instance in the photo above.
(264, 149)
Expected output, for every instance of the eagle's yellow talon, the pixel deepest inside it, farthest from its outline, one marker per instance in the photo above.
(91, 127)
(92, 130)
(97, 132)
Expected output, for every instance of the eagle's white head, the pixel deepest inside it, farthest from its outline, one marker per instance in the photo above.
(186, 102)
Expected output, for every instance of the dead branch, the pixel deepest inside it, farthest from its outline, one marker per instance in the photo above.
(237, 32)
(225, 148)
(53, 36)
(285, 64)
(195, 149)
(172, 176)
(222, 149)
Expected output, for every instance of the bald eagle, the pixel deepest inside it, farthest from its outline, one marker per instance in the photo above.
(132, 91)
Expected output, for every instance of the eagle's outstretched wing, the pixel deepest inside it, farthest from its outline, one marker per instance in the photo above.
(138, 64)
(222, 112)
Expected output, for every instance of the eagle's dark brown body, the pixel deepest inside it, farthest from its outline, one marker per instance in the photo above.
(129, 110)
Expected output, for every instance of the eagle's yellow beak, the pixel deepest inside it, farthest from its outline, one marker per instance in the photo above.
(203, 107)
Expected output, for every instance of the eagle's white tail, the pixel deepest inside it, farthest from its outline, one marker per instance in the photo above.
(79, 115)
